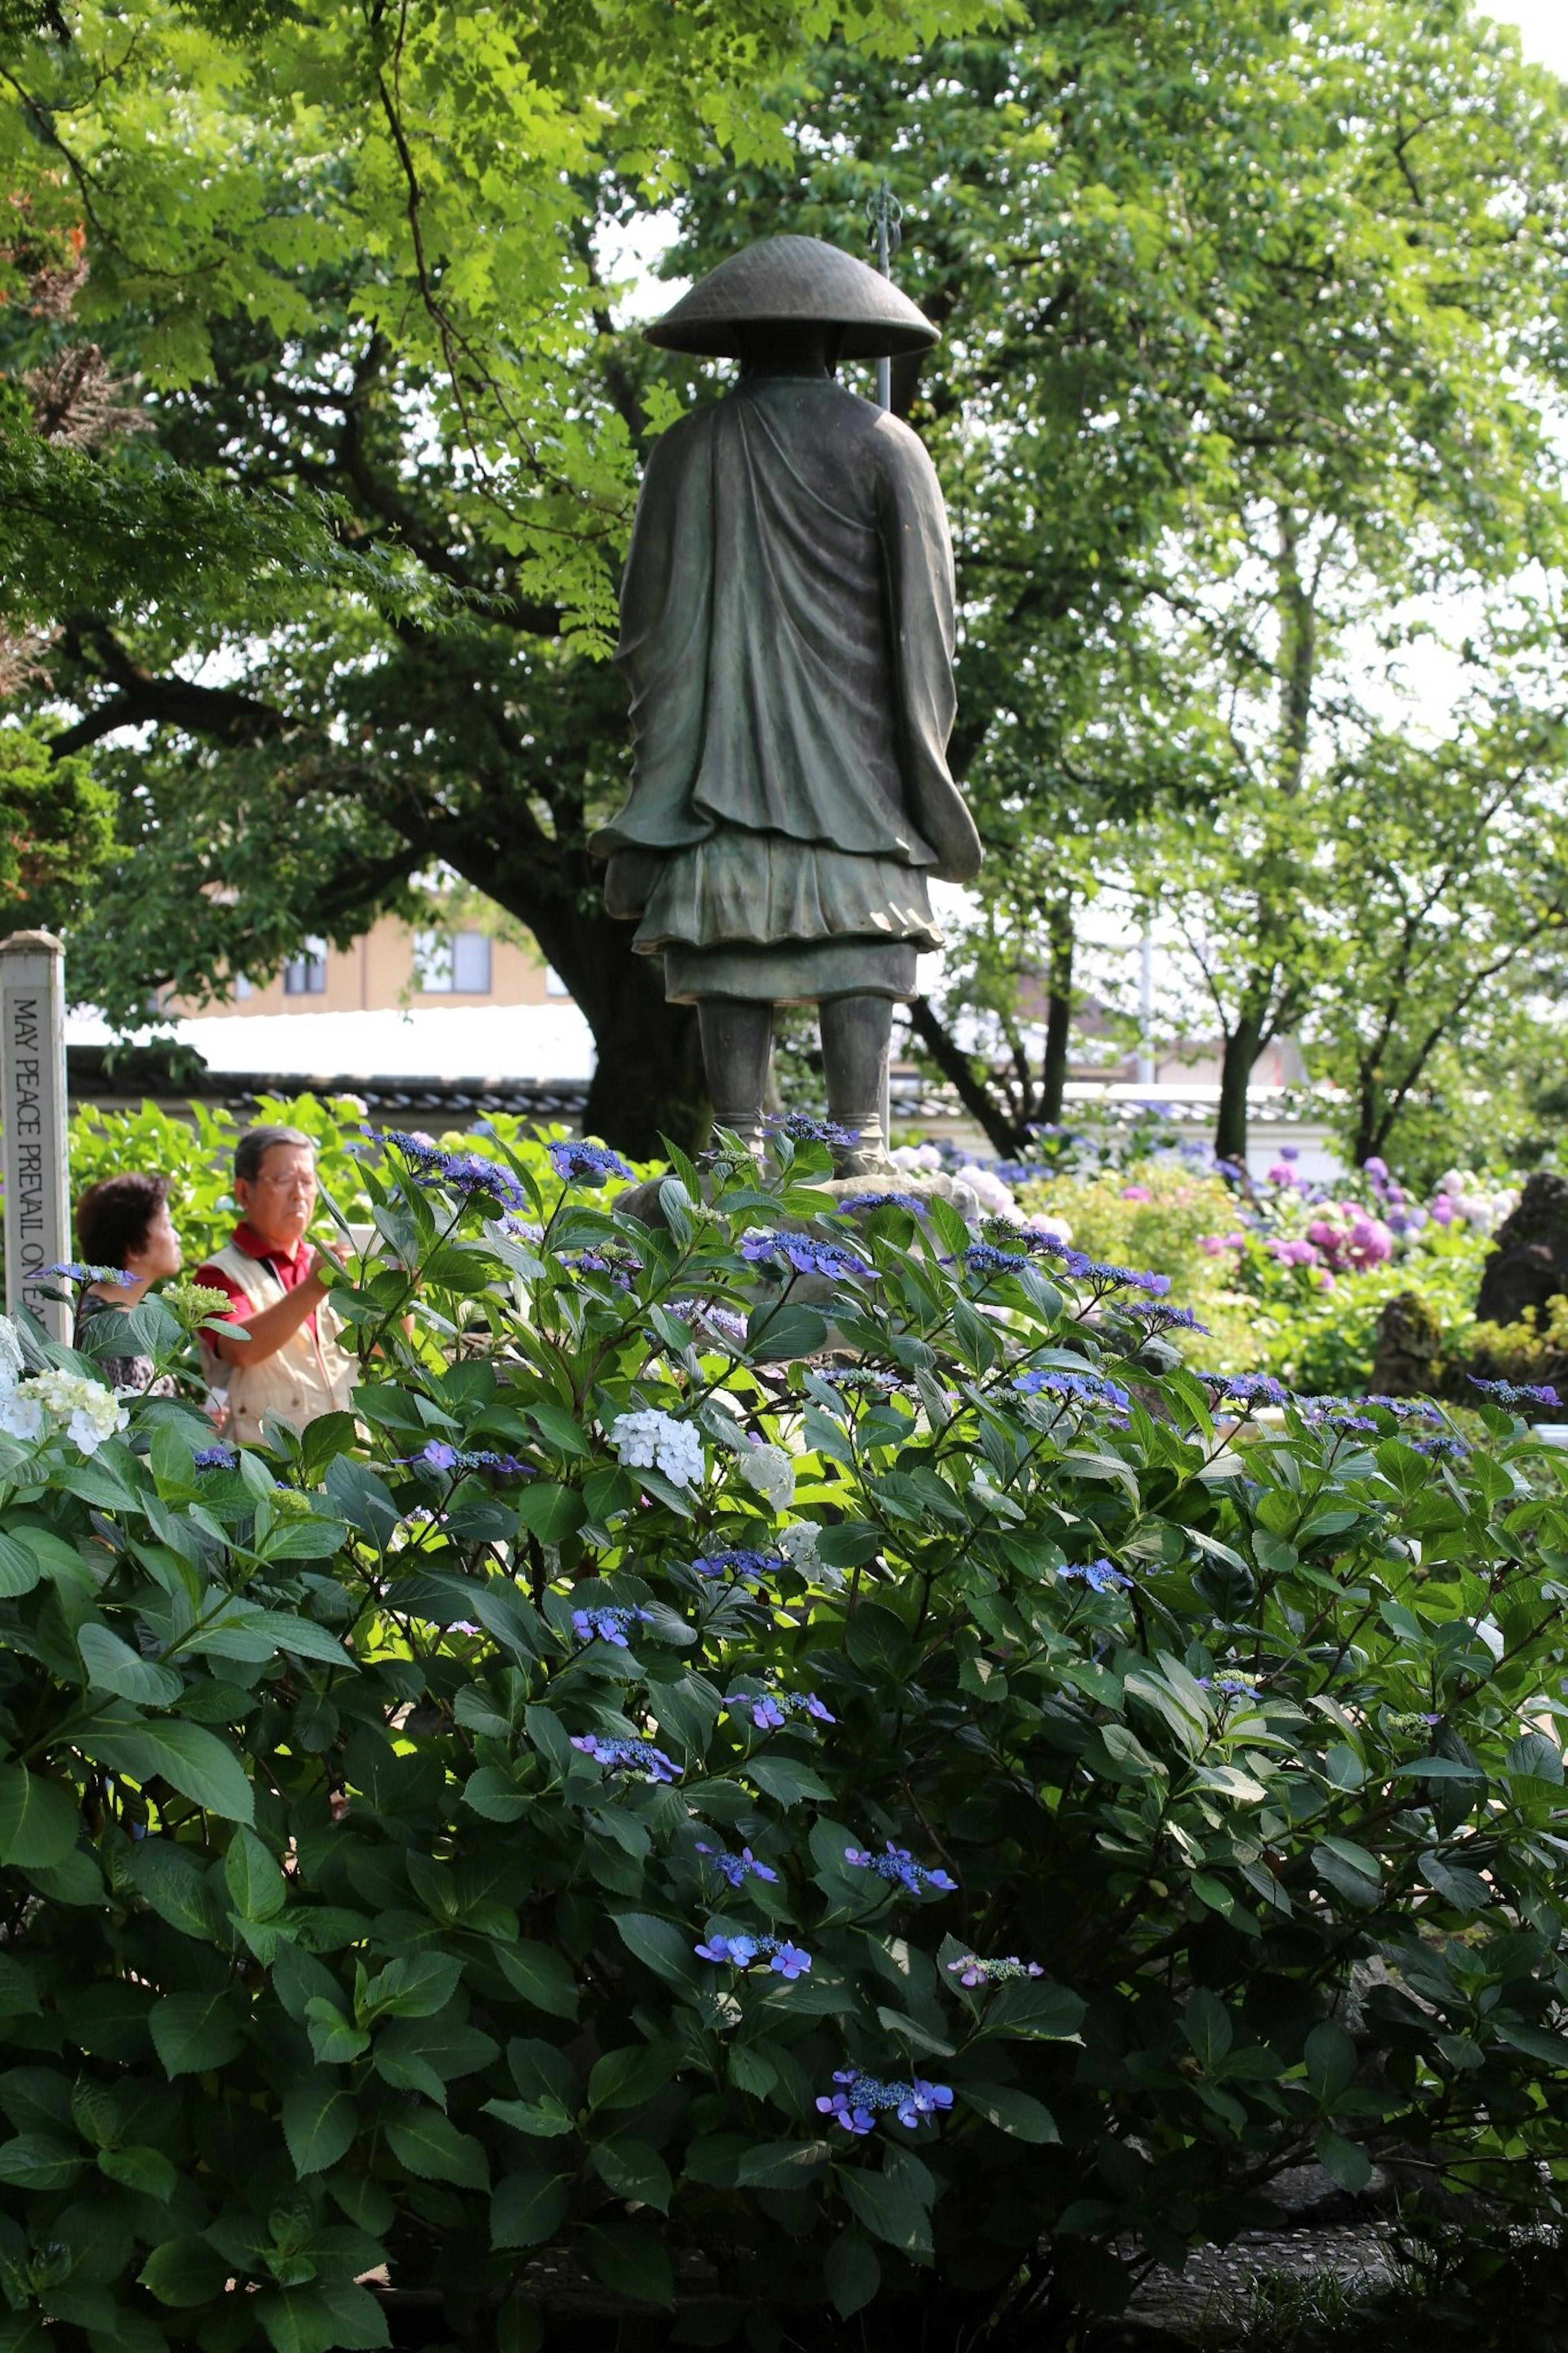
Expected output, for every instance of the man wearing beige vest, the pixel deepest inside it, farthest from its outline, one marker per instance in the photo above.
(291, 1366)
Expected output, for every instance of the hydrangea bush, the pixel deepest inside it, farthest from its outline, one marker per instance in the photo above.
(1290, 1275)
(909, 1885)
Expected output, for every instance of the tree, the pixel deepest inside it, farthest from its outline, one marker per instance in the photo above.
(358, 285)
(1447, 888)
(1241, 349)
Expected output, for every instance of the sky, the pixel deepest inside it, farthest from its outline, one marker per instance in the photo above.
(1543, 29)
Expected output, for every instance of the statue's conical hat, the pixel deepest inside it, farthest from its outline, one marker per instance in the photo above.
(794, 281)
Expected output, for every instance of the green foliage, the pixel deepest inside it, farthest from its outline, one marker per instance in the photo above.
(57, 831)
(194, 1149)
(340, 1931)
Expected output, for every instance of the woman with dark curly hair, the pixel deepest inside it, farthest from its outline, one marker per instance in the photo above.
(123, 1225)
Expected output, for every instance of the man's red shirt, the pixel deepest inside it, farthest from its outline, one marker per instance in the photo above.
(290, 1268)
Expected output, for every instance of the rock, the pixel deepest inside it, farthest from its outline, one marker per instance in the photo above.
(1408, 1361)
(1529, 1262)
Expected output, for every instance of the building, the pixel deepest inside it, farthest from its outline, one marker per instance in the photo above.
(391, 968)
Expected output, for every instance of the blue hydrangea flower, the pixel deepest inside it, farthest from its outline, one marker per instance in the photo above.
(898, 1864)
(799, 1252)
(985, 1258)
(1079, 1388)
(439, 1454)
(1407, 1408)
(1155, 1315)
(1099, 1576)
(576, 1159)
(736, 1868)
(460, 1172)
(1446, 1446)
(609, 1625)
(785, 1960)
(973, 1971)
(1245, 1389)
(856, 1201)
(73, 1270)
(216, 1458)
(1229, 1687)
(628, 1756)
(723, 1320)
(740, 1566)
(801, 1128)
(1333, 1413)
(863, 2098)
(622, 1266)
(770, 1709)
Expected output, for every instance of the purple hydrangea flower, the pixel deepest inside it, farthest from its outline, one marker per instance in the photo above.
(216, 1458)
(1515, 1392)
(440, 1455)
(973, 1971)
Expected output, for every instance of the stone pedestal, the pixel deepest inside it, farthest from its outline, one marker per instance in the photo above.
(34, 1155)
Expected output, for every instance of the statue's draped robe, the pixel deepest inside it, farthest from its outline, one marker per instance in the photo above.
(786, 633)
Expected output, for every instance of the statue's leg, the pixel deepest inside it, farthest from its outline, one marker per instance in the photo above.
(737, 1039)
(856, 1039)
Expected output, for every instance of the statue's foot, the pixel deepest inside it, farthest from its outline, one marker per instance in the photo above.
(866, 1154)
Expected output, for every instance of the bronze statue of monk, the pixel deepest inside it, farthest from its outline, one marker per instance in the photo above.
(787, 633)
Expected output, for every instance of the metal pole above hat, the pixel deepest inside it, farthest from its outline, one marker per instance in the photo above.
(884, 214)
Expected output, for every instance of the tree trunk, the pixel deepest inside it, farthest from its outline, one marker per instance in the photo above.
(1059, 1019)
(1242, 1047)
(648, 1085)
(648, 1082)
(956, 1067)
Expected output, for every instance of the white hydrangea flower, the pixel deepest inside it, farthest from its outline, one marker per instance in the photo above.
(651, 1440)
(87, 1410)
(11, 1357)
(798, 1544)
(988, 1189)
(22, 1415)
(769, 1470)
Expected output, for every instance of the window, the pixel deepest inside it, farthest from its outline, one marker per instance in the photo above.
(452, 964)
(553, 984)
(306, 974)
(471, 963)
(242, 989)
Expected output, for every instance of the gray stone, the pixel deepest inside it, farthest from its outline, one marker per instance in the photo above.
(1527, 1266)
